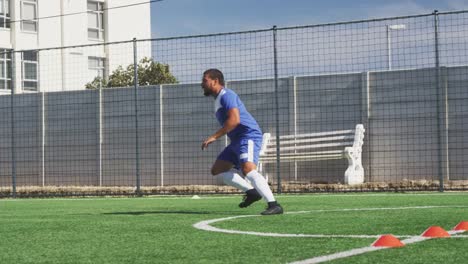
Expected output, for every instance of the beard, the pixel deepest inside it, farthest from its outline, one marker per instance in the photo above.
(207, 92)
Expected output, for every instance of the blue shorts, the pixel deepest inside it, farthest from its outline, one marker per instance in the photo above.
(241, 151)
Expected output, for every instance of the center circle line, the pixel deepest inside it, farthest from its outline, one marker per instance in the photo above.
(206, 224)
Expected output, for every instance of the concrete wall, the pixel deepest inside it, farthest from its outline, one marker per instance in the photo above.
(404, 128)
(88, 137)
(456, 85)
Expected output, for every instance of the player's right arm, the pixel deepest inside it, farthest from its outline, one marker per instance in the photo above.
(232, 121)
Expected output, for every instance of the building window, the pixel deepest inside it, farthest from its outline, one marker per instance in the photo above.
(95, 20)
(5, 69)
(29, 15)
(30, 70)
(5, 14)
(97, 68)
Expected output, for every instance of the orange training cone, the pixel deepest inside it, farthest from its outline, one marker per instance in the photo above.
(388, 241)
(463, 225)
(435, 231)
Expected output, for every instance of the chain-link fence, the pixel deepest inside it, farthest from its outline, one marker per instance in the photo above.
(82, 121)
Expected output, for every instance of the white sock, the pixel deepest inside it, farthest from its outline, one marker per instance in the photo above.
(232, 178)
(261, 185)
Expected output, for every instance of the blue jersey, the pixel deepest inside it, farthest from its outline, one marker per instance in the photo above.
(248, 127)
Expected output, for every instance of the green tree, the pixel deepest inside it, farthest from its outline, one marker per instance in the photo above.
(149, 72)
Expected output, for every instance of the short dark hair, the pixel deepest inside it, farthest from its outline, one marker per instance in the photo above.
(215, 74)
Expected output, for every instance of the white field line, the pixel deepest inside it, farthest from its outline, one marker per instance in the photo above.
(206, 224)
(344, 254)
(358, 251)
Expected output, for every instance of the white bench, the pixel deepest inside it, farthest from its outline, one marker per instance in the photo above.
(343, 144)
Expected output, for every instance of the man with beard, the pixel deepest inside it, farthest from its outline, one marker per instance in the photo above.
(243, 151)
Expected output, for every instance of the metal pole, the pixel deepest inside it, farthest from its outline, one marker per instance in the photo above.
(367, 104)
(12, 116)
(137, 149)
(100, 115)
(43, 137)
(278, 158)
(437, 67)
(444, 83)
(295, 122)
(389, 48)
(161, 134)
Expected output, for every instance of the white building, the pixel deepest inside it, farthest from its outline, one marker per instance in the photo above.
(43, 24)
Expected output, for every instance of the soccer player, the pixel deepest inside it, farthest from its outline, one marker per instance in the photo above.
(243, 151)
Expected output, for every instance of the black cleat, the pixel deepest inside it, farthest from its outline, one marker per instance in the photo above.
(251, 197)
(272, 210)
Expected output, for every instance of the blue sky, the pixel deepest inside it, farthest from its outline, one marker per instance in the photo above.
(192, 17)
(356, 47)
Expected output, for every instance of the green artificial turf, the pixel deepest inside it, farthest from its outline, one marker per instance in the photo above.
(160, 229)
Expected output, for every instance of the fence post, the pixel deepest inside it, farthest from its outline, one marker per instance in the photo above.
(12, 116)
(278, 158)
(437, 68)
(294, 118)
(100, 141)
(43, 137)
(161, 133)
(366, 119)
(444, 100)
(137, 148)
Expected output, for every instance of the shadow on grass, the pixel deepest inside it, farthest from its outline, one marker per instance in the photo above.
(161, 212)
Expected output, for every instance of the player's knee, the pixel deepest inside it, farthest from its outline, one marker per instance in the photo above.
(246, 171)
(220, 166)
(215, 171)
(248, 167)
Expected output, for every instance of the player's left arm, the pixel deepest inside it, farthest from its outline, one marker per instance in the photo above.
(232, 121)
